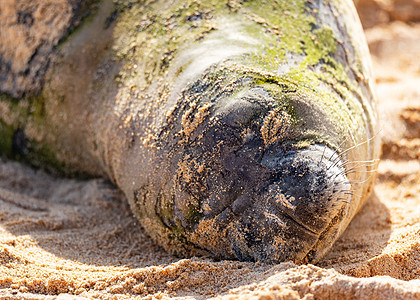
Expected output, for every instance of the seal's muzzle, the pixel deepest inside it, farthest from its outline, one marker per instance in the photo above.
(307, 195)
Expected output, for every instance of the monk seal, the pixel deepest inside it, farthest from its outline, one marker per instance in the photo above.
(237, 129)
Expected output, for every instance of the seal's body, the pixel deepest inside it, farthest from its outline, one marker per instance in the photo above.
(240, 129)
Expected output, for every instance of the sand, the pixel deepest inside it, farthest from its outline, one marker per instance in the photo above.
(69, 239)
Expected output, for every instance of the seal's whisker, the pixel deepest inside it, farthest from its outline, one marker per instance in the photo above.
(363, 165)
(366, 162)
(342, 182)
(352, 172)
(322, 156)
(342, 172)
(347, 162)
(357, 167)
(343, 200)
(357, 145)
(339, 146)
(353, 194)
(360, 181)
(336, 163)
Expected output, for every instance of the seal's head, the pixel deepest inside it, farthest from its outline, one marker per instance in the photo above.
(273, 202)
(251, 182)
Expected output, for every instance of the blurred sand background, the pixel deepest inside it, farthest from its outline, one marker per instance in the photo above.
(65, 238)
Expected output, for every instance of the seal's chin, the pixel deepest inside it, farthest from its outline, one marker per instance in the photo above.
(298, 215)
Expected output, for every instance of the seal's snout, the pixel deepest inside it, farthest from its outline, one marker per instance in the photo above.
(307, 196)
(311, 186)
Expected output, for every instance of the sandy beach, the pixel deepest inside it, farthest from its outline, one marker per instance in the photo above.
(63, 238)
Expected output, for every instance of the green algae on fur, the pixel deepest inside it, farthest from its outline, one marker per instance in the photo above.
(296, 32)
(6, 133)
(23, 133)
